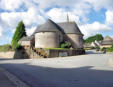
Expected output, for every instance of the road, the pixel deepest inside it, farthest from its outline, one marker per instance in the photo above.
(90, 70)
(4, 80)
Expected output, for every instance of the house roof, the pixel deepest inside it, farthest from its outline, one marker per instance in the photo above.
(108, 38)
(70, 28)
(49, 26)
(64, 27)
(27, 38)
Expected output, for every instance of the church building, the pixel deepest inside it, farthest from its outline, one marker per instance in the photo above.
(51, 34)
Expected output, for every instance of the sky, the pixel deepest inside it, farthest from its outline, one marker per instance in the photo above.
(91, 16)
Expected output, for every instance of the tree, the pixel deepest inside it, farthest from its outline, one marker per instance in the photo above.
(97, 37)
(19, 33)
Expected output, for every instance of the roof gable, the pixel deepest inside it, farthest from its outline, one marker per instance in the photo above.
(108, 38)
(70, 27)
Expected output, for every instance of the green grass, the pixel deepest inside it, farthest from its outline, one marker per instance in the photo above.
(87, 48)
(59, 49)
(55, 48)
(5, 48)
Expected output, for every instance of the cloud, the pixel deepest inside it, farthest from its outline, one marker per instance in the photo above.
(61, 3)
(44, 4)
(30, 18)
(10, 4)
(60, 15)
(98, 4)
(1, 31)
(30, 31)
(109, 17)
(94, 28)
(78, 8)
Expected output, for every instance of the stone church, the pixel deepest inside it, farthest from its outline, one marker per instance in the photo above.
(51, 34)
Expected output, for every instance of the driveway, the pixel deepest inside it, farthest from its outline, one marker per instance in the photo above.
(90, 70)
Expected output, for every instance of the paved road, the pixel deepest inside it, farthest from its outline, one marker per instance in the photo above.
(4, 80)
(89, 70)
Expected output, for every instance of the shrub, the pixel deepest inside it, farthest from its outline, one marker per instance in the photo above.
(104, 48)
(65, 44)
(108, 49)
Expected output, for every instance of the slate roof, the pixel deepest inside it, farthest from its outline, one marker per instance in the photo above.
(64, 27)
(36, 30)
(49, 26)
(108, 38)
(27, 38)
(70, 28)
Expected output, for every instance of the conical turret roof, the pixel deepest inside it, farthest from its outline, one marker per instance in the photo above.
(49, 26)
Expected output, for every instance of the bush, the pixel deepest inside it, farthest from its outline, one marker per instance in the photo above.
(104, 48)
(108, 49)
(65, 44)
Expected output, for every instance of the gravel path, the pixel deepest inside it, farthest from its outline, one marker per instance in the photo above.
(89, 70)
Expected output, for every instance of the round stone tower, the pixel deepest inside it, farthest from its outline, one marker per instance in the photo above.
(47, 35)
(73, 34)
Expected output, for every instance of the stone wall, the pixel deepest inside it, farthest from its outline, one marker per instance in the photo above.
(64, 53)
(28, 43)
(47, 40)
(29, 53)
(76, 40)
(25, 53)
(25, 43)
(8, 54)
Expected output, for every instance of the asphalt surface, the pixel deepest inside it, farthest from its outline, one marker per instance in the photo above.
(90, 70)
(4, 80)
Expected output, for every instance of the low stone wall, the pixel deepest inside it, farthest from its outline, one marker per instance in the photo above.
(25, 54)
(64, 53)
(8, 54)
(30, 54)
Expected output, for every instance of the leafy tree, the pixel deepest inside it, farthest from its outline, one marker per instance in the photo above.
(19, 33)
(97, 37)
